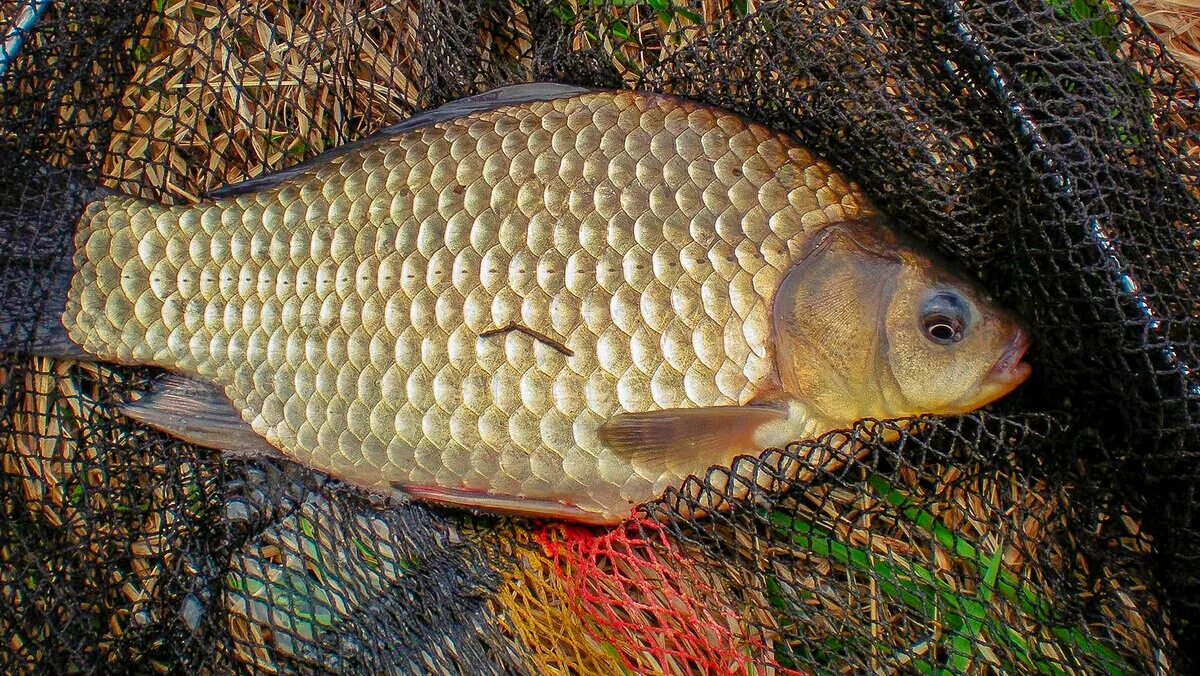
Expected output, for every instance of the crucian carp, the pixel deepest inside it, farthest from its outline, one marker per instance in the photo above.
(543, 300)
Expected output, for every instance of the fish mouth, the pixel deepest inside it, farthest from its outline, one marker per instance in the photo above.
(1010, 370)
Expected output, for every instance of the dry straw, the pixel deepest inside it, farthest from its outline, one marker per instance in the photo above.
(1177, 23)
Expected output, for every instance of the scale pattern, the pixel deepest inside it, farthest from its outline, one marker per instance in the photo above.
(341, 311)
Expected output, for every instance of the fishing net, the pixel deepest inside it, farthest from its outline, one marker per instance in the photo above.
(1050, 147)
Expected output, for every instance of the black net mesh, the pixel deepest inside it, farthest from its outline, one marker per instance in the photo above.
(1049, 147)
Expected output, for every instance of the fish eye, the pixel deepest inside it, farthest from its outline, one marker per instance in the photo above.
(944, 318)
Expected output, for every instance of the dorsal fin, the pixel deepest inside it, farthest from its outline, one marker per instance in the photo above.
(490, 100)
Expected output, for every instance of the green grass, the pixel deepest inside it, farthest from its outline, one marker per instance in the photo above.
(1102, 21)
(970, 618)
(994, 579)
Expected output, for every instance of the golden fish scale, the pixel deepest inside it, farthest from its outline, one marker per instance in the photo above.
(342, 310)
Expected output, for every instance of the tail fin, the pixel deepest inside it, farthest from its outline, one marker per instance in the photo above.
(37, 227)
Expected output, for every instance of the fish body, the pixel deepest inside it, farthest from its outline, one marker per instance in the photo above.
(556, 306)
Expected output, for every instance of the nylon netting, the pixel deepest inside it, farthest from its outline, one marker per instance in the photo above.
(1049, 147)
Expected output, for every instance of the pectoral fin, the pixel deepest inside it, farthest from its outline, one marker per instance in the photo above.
(197, 413)
(683, 435)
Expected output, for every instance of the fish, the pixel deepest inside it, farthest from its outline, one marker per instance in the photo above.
(544, 300)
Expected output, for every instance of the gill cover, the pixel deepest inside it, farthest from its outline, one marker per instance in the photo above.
(829, 314)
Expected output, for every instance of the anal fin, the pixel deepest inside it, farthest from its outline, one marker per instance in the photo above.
(505, 504)
(197, 413)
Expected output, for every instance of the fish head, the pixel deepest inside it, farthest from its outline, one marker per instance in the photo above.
(869, 324)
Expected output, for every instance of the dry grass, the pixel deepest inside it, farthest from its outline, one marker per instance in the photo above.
(224, 91)
(1177, 23)
(110, 514)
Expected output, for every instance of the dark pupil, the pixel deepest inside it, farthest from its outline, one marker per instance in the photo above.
(944, 318)
(942, 331)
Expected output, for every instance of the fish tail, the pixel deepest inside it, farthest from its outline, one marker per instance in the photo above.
(38, 219)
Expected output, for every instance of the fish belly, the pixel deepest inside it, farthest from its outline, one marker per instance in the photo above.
(350, 313)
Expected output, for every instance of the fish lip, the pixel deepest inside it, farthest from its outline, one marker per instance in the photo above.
(1010, 369)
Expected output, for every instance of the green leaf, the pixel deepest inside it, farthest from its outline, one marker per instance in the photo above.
(1007, 583)
(1081, 9)
(689, 15)
(612, 652)
(365, 553)
(962, 652)
(563, 12)
(989, 575)
(620, 31)
(1004, 582)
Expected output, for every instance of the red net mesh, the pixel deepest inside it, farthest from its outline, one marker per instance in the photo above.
(641, 595)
